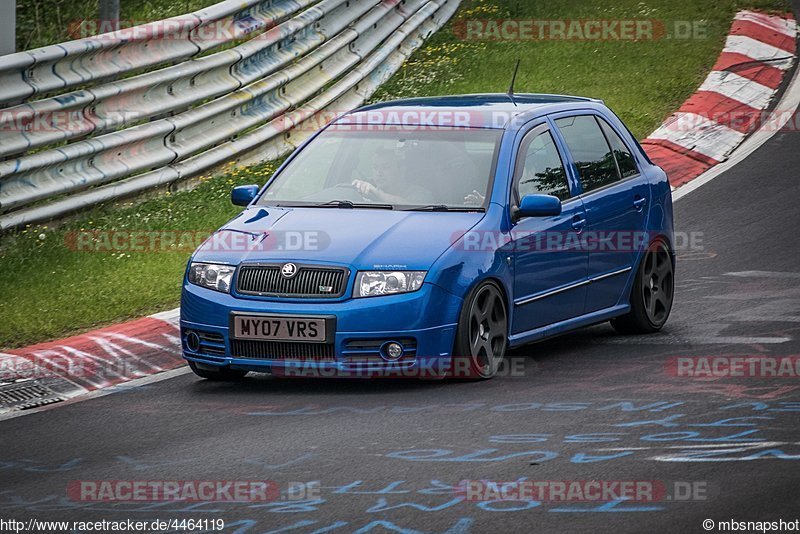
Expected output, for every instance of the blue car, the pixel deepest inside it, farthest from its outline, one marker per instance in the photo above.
(426, 237)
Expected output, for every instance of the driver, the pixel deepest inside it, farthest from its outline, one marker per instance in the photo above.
(387, 183)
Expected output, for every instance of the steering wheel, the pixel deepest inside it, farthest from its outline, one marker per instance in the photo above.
(350, 187)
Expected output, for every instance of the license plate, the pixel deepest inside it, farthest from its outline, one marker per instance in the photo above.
(279, 328)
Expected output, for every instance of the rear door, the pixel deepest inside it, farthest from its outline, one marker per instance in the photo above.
(615, 195)
(549, 267)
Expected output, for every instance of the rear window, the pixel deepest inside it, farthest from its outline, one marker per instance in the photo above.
(589, 150)
(627, 165)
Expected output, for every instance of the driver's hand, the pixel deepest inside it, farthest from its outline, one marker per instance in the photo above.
(474, 198)
(365, 188)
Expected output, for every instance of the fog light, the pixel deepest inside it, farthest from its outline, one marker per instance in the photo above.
(393, 350)
(193, 341)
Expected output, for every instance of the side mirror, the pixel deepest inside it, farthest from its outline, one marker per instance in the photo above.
(538, 206)
(243, 195)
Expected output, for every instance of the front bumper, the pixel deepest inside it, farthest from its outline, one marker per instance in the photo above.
(423, 321)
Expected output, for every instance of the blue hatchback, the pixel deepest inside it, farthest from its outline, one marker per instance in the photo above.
(425, 237)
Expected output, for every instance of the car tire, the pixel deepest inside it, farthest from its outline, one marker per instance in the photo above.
(482, 334)
(224, 374)
(652, 292)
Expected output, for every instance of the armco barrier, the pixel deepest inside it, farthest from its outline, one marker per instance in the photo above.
(185, 109)
(116, 104)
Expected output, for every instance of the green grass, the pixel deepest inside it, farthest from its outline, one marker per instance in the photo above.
(46, 22)
(49, 290)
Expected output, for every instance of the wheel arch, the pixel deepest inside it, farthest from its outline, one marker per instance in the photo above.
(666, 238)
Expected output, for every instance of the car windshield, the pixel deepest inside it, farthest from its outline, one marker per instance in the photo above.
(390, 167)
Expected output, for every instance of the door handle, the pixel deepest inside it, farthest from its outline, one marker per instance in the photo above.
(578, 223)
(639, 202)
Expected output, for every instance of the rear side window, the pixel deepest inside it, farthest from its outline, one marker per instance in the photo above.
(539, 169)
(590, 150)
(627, 165)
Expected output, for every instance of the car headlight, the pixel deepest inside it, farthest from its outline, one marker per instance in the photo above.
(212, 275)
(374, 283)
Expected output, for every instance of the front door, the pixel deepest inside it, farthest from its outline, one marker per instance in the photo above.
(550, 266)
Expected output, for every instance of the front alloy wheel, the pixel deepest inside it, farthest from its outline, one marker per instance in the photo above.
(482, 334)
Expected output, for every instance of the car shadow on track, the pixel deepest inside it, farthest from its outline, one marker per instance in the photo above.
(524, 365)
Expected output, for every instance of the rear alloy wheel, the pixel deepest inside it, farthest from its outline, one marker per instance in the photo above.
(652, 293)
(482, 333)
(223, 374)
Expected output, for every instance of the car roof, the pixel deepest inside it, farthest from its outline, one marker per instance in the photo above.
(491, 110)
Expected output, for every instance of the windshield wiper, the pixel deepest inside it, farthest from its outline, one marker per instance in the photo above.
(341, 204)
(443, 207)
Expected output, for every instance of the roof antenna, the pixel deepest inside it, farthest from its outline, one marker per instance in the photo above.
(511, 87)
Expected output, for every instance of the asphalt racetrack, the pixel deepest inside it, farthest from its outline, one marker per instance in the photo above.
(390, 456)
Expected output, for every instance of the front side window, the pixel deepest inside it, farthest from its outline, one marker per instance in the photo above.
(539, 168)
(589, 150)
(405, 166)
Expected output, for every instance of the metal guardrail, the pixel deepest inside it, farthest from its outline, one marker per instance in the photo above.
(285, 65)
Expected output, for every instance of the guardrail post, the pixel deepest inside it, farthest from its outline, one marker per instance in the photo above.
(8, 27)
(109, 15)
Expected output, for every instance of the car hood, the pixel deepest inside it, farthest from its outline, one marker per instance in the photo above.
(362, 238)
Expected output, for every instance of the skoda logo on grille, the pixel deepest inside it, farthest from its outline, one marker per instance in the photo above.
(289, 270)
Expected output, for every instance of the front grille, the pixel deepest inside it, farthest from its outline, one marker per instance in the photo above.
(282, 350)
(212, 343)
(310, 281)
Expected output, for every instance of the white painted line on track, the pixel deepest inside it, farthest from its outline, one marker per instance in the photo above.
(764, 274)
(170, 316)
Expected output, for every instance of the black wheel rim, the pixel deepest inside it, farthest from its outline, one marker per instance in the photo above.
(488, 325)
(657, 283)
